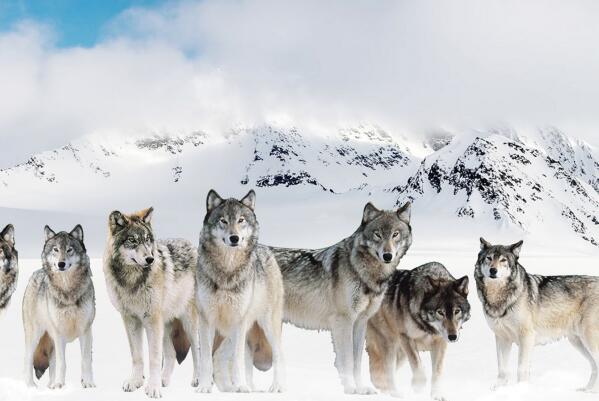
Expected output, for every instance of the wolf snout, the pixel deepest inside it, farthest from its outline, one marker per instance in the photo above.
(387, 257)
(61, 266)
(493, 272)
(149, 260)
(452, 337)
(234, 240)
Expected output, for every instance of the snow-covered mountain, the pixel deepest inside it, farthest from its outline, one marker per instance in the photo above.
(530, 181)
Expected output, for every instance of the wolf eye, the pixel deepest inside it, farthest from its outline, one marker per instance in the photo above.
(489, 258)
(241, 220)
(396, 234)
(457, 311)
(502, 260)
(223, 221)
(55, 249)
(131, 238)
(376, 235)
(70, 250)
(440, 312)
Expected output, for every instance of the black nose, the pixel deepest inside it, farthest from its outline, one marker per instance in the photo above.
(493, 271)
(234, 239)
(149, 260)
(387, 257)
(452, 337)
(61, 265)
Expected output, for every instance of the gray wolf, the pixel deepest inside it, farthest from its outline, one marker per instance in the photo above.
(9, 265)
(529, 309)
(152, 284)
(423, 309)
(59, 307)
(340, 287)
(239, 285)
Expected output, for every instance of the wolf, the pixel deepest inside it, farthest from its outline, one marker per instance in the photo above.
(340, 287)
(9, 265)
(239, 286)
(152, 284)
(423, 309)
(530, 309)
(59, 307)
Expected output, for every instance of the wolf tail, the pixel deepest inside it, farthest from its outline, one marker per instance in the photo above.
(43, 353)
(260, 347)
(180, 340)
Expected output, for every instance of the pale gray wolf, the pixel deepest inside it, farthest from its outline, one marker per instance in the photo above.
(424, 309)
(239, 285)
(59, 307)
(152, 284)
(340, 287)
(530, 309)
(9, 266)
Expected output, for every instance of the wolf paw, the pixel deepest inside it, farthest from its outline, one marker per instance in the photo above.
(349, 389)
(499, 383)
(241, 388)
(132, 384)
(438, 397)
(204, 388)
(153, 391)
(276, 388)
(396, 394)
(418, 384)
(88, 384)
(165, 381)
(56, 385)
(365, 390)
(195, 382)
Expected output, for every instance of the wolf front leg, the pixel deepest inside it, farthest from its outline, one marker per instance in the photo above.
(238, 340)
(85, 343)
(504, 348)
(61, 367)
(418, 376)
(342, 334)
(437, 359)
(32, 337)
(155, 333)
(169, 355)
(206, 339)
(525, 346)
(133, 328)
(359, 339)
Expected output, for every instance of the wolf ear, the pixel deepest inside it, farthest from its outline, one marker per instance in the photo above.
(461, 286)
(515, 248)
(484, 244)
(48, 232)
(77, 232)
(213, 200)
(8, 234)
(434, 283)
(146, 215)
(404, 212)
(116, 221)
(370, 212)
(250, 199)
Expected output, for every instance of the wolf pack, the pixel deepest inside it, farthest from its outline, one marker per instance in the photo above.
(226, 299)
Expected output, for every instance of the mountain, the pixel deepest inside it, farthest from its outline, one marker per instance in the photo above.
(533, 181)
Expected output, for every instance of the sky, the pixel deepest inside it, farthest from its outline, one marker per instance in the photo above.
(69, 69)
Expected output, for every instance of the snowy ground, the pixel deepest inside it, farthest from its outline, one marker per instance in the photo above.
(470, 365)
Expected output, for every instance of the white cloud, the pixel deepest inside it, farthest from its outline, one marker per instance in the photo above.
(402, 64)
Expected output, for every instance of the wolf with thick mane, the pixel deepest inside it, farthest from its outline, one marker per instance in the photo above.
(340, 287)
(9, 266)
(424, 308)
(59, 307)
(152, 284)
(239, 287)
(529, 309)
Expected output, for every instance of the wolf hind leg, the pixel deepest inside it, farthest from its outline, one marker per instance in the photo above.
(190, 324)
(272, 326)
(585, 348)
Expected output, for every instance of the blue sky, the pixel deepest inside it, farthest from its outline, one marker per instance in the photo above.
(75, 22)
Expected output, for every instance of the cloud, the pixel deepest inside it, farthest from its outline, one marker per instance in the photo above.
(401, 64)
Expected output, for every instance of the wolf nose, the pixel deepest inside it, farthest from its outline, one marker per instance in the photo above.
(61, 265)
(387, 257)
(149, 260)
(452, 337)
(493, 271)
(234, 239)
